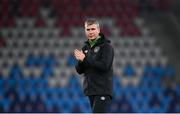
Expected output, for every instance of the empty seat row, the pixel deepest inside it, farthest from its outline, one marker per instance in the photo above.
(134, 42)
(55, 41)
(45, 43)
(141, 62)
(32, 32)
(138, 52)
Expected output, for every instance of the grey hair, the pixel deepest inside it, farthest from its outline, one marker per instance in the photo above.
(91, 21)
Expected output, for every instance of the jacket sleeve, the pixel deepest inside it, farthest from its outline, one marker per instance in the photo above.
(79, 67)
(106, 61)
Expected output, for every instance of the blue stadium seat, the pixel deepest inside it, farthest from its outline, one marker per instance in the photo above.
(150, 81)
(42, 95)
(73, 82)
(129, 70)
(71, 61)
(178, 90)
(165, 103)
(41, 82)
(114, 107)
(116, 86)
(11, 82)
(47, 71)
(83, 105)
(139, 108)
(50, 60)
(30, 60)
(48, 103)
(148, 69)
(169, 71)
(5, 103)
(158, 70)
(1, 83)
(177, 107)
(41, 60)
(15, 72)
(65, 105)
(146, 92)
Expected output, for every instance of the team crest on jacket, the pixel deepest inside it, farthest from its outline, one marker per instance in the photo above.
(96, 49)
(85, 51)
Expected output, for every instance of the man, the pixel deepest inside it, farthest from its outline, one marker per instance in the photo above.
(95, 62)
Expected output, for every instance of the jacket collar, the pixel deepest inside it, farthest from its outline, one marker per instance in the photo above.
(100, 41)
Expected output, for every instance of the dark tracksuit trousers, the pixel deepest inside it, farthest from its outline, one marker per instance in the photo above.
(99, 103)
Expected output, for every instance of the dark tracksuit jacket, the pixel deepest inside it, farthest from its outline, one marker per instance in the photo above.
(97, 67)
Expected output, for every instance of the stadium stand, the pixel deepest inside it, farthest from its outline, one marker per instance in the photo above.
(37, 73)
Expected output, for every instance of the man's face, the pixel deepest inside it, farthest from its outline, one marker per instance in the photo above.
(92, 31)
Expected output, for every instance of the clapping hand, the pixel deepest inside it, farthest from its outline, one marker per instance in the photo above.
(79, 55)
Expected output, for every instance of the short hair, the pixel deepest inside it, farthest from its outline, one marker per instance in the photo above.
(91, 21)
